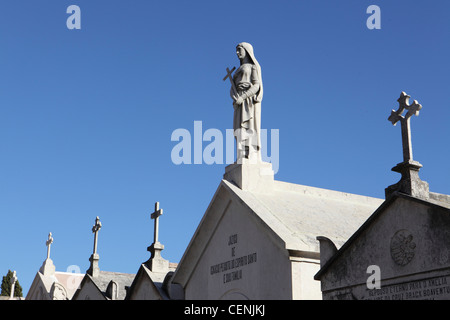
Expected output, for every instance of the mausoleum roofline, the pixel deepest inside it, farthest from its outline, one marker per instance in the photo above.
(292, 214)
(394, 196)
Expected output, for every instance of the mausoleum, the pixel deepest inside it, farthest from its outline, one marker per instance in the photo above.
(102, 285)
(153, 280)
(403, 250)
(257, 238)
(49, 284)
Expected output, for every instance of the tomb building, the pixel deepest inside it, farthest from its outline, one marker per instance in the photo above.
(257, 238)
(102, 285)
(402, 251)
(153, 279)
(49, 284)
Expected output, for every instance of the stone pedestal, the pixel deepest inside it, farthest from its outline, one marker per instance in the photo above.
(157, 263)
(94, 269)
(249, 175)
(47, 268)
(410, 183)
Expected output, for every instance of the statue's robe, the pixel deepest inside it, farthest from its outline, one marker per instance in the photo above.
(247, 116)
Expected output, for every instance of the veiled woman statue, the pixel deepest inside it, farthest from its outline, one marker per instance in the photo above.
(247, 93)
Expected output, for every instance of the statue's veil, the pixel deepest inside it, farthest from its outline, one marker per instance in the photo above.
(249, 48)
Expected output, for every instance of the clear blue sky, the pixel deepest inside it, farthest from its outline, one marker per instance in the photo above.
(86, 116)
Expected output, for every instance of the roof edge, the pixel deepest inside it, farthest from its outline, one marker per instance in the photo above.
(368, 222)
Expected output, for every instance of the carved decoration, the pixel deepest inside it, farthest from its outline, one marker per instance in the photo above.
(402, 247)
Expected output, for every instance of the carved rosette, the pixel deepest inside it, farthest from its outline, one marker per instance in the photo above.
(58, 292)
(402, 247)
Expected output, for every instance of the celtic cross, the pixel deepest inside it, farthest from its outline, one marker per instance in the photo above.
(413, 109)
(410, 183)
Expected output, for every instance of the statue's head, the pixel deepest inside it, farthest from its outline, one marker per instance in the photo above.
(244, 49)
(241, 53)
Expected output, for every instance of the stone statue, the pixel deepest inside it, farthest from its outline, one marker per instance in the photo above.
(13, 285)
(247, 93)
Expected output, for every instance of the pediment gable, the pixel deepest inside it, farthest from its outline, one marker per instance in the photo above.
(144, 286)
(291, 215)
(88, 290)
(404, 236)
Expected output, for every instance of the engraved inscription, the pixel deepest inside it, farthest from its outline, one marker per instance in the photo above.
(402, 247)
(232, 269)
(427, 289)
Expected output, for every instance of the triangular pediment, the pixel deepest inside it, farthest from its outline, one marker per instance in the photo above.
(147, 285)
(290, 216)
(403, 237)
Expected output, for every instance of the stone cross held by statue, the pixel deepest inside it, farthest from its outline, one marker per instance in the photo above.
(413, 109)
(229, 75)
(48, 243)
(155, 215)
(97, 226)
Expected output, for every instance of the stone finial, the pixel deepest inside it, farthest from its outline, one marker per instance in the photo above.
(94, 269)
(410, 183)
(327, 249)
(156, 263)
(396, 116)
(95, 229)
(48, 243)
(155, 216)
(48, 268)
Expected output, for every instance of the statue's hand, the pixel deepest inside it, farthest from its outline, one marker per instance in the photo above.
(238, 100)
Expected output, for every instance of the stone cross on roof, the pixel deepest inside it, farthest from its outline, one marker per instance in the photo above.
(48, 268)
(410, 183)
(156, 263)
(155, 215)
(94, 269)
(48, 243)
(413, 109)
(95, 229)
